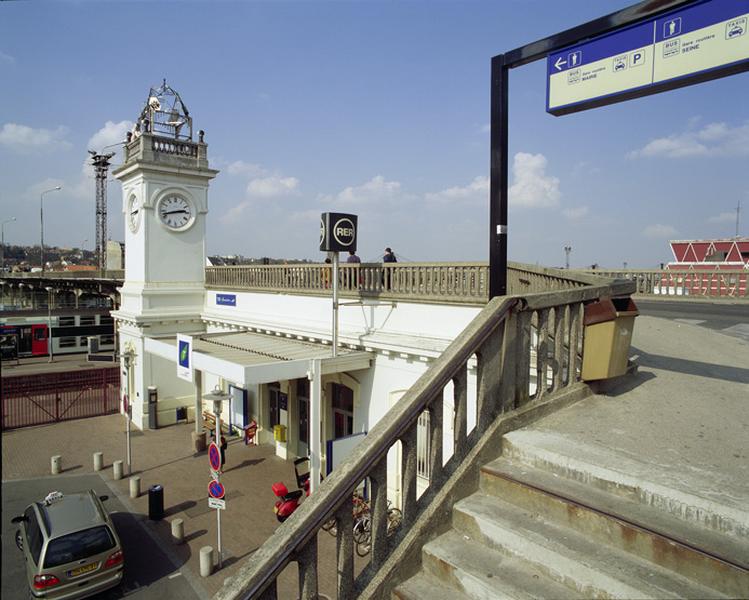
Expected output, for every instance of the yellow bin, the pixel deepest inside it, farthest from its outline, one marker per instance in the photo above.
(279, 433)
(609, 324)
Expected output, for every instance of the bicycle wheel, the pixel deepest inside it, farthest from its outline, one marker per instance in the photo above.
(363, 536)
(395, 518)
(330, 527)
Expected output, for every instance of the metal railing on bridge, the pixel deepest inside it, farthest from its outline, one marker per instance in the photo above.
(713, 283)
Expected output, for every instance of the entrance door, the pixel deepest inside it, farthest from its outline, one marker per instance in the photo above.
(39, 345)
(238, 416)
(343, 411)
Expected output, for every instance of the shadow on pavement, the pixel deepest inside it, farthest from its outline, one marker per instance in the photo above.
(73, 468)
(693, 367)
(195, 534)
(245, 463)
(178, 508)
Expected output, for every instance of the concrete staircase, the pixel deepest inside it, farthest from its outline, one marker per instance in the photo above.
(557, 519)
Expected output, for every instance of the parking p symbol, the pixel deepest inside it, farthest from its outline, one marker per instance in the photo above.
(637, 58)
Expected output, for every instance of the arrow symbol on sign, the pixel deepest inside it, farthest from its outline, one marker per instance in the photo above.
(559, 63)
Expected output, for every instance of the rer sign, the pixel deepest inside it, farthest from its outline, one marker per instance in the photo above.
(703, 41)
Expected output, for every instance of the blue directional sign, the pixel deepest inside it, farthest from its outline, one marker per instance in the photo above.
(226, 299)
(706, 40)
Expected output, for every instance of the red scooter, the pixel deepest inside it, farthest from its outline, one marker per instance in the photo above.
(289, 501)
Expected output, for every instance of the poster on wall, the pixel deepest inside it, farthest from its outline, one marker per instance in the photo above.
(184, 357)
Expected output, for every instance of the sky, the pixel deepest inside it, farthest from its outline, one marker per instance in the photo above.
(379, 109)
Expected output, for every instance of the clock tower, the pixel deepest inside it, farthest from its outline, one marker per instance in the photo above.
(165, 176)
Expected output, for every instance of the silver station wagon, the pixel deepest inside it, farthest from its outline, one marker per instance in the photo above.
(70, 546)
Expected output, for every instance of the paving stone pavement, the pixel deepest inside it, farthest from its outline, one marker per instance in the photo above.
(165, 457)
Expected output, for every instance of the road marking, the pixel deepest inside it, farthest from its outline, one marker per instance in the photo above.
(173, 575)
(690, 321)
(740, 330)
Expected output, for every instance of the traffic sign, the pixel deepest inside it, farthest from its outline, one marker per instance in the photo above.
(704, 41)
(216, 490)
(214, 456)
(216, 503)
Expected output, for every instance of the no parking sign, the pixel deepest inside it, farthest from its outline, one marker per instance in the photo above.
(214, 456)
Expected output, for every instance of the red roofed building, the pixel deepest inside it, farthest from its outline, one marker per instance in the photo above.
(730, 255)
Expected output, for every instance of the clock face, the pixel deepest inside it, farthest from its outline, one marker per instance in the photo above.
(133, 213)
(175, 212)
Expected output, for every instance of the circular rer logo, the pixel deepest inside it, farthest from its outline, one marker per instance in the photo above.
(344, 232)
(322, 230)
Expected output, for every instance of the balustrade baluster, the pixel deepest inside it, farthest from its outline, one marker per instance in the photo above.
(510, 352)
(307, 562)
(542, 352)
(560, 326)
(378, 512)
(488, 379)
(460, 402)
(345, 550)
(575, 336)
(522, 375)
(436, 421)
(408, 468)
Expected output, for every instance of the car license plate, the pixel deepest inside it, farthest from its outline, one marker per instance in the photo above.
(83, 569)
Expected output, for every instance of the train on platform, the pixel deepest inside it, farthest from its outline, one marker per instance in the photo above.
(26, 333)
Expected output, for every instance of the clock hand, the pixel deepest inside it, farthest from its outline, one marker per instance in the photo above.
(173, 212)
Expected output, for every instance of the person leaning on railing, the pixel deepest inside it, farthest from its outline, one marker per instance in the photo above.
(388, 257)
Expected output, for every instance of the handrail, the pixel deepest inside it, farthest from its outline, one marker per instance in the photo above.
(499, 338)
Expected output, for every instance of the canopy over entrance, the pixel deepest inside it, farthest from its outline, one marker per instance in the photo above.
(245, 358)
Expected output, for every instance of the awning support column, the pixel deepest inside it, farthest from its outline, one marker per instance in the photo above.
(315, 376)
(198, 401)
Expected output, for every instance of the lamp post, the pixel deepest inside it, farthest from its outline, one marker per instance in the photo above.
(49, 321)
(41, 220)
(217, 396)
(2, 243)
(129, 358)
(567, 250)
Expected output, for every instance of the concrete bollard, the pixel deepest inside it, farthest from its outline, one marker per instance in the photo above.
(178, 531)
(98, 461)
(134, 487)
(206, 561)
(117, 469)
(56, 464)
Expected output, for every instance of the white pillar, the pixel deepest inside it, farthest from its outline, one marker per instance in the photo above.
(198, 377)
(315, 412)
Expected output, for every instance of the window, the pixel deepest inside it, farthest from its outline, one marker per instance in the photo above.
(343, 411)
(302, 394)
(68, 342)
(40, 334)
(88, 320)
(33, 534)
(67, 321)
(105, 320)
(78, 545)
(106, 340)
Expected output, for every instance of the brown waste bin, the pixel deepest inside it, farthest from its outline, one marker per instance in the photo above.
(608, 326)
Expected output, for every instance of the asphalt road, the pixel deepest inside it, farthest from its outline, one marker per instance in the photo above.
(149, 572)
(730, 319)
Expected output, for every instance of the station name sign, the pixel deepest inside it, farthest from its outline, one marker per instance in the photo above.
(703, 41)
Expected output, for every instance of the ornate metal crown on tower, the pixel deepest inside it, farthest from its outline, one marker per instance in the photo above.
(165, 114)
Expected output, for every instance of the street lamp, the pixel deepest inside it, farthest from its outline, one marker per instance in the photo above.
(2, 243)
(49, 321)
(41, 219)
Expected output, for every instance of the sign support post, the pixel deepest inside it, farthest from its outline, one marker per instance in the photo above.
(129, 358)
(217, 414)
(498, 195)
(335, 304)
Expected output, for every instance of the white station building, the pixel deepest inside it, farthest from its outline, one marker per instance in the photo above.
(270, 352)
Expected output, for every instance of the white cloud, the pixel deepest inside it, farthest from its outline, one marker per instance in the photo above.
(658, 231)
(532, 187)
(724, 217)
(240, 167)
(486, 128)
(234, 212)
(22, 138)
(273, 187)
(376, 190)
(7, 59)
(575, 213)
(111, 133)
(478, 189)
(714, 139)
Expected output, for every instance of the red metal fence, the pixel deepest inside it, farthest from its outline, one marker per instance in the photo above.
(52, 397)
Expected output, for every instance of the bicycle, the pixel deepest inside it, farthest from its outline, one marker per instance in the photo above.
(363, 529)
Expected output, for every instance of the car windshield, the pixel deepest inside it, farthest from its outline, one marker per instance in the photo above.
(78, 545)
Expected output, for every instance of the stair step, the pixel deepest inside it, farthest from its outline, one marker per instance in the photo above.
(481, 573)
(615, 473)
(713, 559)
(566, 556)
(420, 587)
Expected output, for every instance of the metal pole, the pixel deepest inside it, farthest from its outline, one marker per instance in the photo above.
(217, 414)
(335, 304)
(129, 411)
(41, 236)
(498, 179)
(49, 323)
(314, 375)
